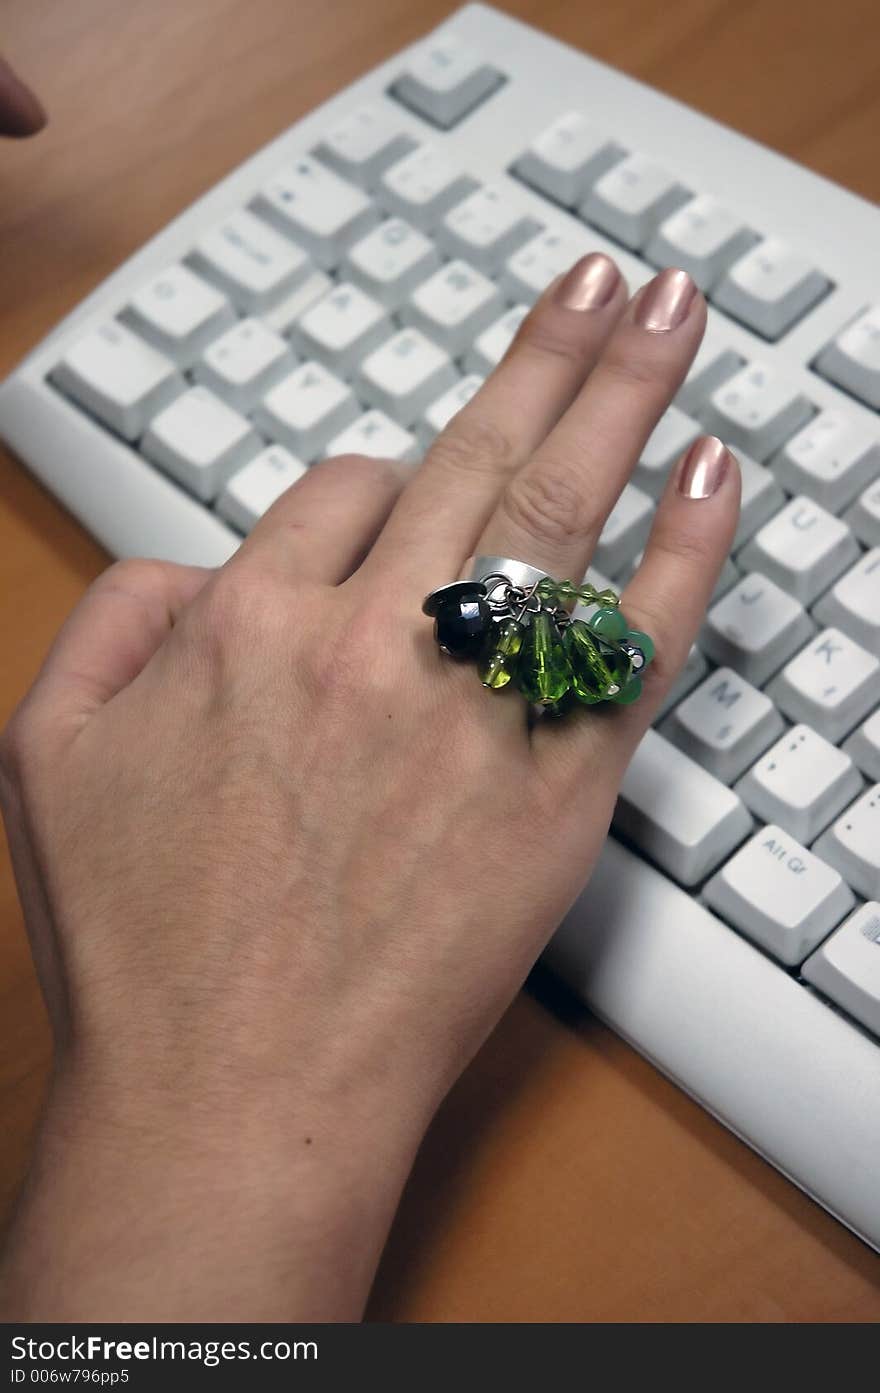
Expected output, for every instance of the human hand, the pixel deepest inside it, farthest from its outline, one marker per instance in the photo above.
(20, 111)
(284, 864)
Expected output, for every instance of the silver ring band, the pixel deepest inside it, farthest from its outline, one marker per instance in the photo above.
(519, 572)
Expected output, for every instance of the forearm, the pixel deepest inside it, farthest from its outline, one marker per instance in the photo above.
(131, 1217)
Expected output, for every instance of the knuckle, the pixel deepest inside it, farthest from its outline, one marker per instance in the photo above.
(636, 370)
(16, 744)
(549, 502)
(538, 336)
(133, 576)
(377, 473)
(238, 604)
(474, 443)
(688, 549)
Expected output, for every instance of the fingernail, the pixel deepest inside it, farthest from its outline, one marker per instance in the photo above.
(703, 468)
(589, 284)
(665, 301)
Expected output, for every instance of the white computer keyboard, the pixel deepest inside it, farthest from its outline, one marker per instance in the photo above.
(349, 287)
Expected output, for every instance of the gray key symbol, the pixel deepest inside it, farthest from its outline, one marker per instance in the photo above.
(871, 929)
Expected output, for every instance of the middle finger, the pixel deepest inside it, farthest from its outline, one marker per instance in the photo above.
(441, 514)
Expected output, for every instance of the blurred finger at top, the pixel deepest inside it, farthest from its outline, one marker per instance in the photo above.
(21, 113)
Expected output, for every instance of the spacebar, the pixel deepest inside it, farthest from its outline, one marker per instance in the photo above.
(796, 1081)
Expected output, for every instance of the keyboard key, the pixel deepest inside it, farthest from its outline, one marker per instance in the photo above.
(446, 80)
(780, 895)
(864, 747)
(854, 603)
(831, 684)
(755, 628)
(714, 363)
(251, 262)
(306, 409)
(852, 360)
(757, 410)
(770, 288)
(852, 844)
(487, 227)
(252, 490)
(702, 237)
(831, 459)
(676, 813)
(632, 198)
(693, 672)
(118, 377)
(423, 186)
(760, 497)
(316, 206)
(803, 548)
(365, 143)
(391, 261)
(179, 313)
(801, 783)
(244, 363)
(531, 269)
(566, 158)
(375, 434)
(440, 412)
(668, 440)
(200, 441)
(453, 306)
(493, 343)
(864, 516)
(404, 375)
(342, 328)
(724, 725)
(846, 967)
(626, 530)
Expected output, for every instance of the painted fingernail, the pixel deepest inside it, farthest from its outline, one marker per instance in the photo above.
(703, 468)
(665, 301)
(589, 284)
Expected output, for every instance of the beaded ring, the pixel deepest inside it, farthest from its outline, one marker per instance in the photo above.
(526, 635)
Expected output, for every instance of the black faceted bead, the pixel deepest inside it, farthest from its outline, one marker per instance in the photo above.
(462, 624)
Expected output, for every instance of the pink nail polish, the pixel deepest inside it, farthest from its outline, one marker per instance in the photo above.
(589, 284)
(665, 301)
(703, 468)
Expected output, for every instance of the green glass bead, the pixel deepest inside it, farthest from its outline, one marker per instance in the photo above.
(591, 675)
(631, 692)
(642, 641)
(507, 637)
(557, 592)
(566, 590)
(544, 674)
(494, 672)
(608, 623)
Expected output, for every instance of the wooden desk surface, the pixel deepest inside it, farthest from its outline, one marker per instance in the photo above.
(564, 1178)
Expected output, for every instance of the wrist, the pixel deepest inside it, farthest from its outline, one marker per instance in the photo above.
(269, 1209)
